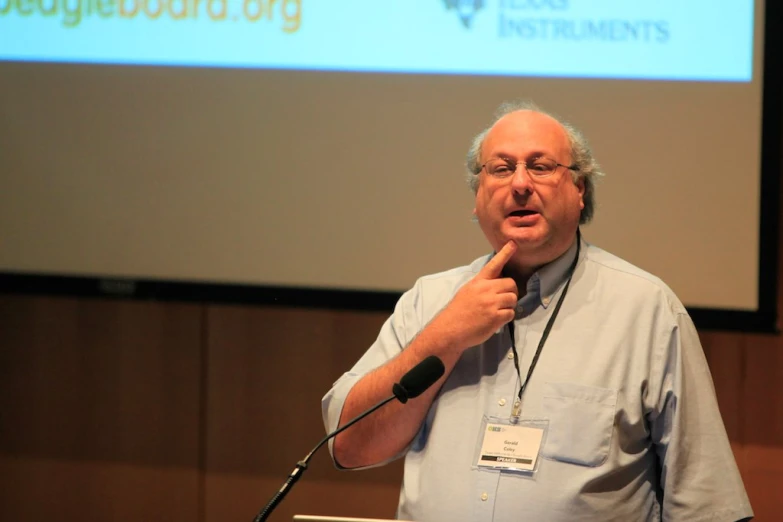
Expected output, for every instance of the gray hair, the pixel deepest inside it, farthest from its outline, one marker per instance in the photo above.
(581, 155)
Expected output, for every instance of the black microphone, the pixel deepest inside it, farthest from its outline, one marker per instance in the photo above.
(412, 384)
(418, 379)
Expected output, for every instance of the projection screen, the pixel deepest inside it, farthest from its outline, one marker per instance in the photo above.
(311, 153)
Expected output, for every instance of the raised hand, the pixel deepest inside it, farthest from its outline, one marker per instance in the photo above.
(482, 306)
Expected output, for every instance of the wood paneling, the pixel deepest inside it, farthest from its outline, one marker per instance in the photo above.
(35, 489)
(100, 409)
(118, 410)
(355, 498)
(268, 369)
(725, 356)
(762, 434)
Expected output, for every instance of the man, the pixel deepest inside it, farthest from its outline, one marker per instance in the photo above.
(581, 362)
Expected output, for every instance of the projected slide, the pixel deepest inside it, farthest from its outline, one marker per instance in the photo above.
(697, 40)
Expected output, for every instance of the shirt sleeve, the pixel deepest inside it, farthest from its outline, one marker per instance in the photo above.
(699, 477)
(396, 333)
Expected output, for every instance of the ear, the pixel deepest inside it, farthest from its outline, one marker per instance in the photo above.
(580, 187)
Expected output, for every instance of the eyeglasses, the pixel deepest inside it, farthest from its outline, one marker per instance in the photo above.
(537, 168)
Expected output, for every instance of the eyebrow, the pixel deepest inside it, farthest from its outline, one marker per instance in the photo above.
(531, 155)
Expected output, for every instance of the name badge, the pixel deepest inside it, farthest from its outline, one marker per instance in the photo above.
(511, 447)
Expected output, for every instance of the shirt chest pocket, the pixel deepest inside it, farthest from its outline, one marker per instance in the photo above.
(581, 420)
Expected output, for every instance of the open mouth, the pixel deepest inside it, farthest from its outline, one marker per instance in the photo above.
(522, 213)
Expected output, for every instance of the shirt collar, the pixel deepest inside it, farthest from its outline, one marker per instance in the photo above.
(547, 280)
(553, 275)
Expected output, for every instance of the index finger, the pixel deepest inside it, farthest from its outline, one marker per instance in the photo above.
(494, 266)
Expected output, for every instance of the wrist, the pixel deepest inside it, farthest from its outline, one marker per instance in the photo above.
(443, 339)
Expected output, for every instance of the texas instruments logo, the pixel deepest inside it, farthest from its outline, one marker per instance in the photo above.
(466, 9)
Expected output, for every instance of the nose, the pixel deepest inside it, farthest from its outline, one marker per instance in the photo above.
(521, 181)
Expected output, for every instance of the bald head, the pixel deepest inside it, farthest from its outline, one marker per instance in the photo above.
(539, 132)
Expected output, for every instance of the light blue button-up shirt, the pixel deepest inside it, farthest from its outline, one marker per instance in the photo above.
(634, 428)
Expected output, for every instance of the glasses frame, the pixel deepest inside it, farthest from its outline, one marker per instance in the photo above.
(532, 174)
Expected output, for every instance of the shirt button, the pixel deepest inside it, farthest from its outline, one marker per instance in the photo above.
(484, 496)
(510, 354)
(502, 402)
(545, 301)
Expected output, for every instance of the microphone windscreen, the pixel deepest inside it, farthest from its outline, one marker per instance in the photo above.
(421, 377)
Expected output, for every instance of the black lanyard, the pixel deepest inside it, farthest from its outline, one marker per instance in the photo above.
(517, 404)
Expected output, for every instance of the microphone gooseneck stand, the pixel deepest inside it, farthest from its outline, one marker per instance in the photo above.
(301, 466)
(412, 384)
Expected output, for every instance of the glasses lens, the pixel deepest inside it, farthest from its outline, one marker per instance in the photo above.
(500, 168)
(542, 167)
(537, 168)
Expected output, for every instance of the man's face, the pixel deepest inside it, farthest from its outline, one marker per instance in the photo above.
(540, 215)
